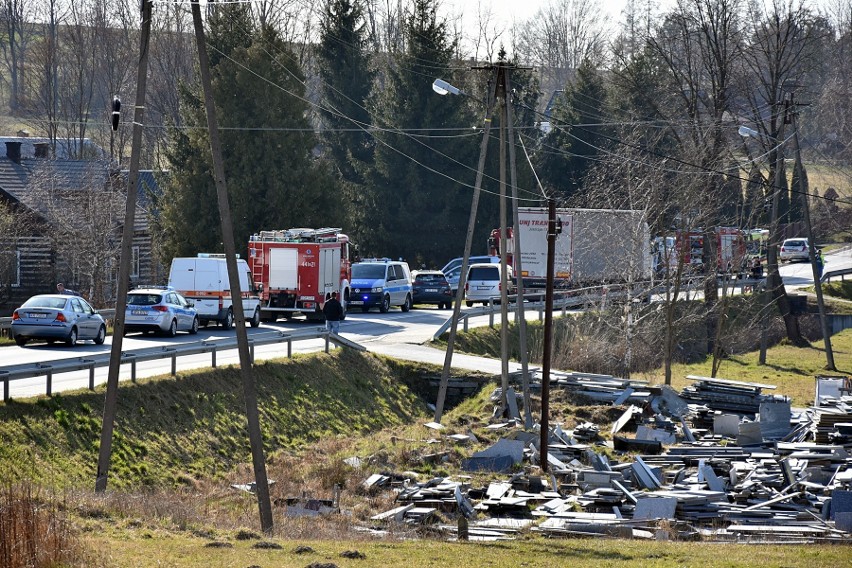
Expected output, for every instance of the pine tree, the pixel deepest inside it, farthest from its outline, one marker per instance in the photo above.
(273, 180)
(418, 199)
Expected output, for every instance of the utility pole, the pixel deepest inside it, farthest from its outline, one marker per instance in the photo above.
(249, 391)
(548, 335)
(806, 210)
(504, 246)
(522, 319)
(111, 399)
(773, 277)
(471, 225)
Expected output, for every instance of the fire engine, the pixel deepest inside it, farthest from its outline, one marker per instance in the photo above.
(298, 269)
(731, 253)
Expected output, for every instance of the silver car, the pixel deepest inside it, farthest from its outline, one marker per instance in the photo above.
(794, 249)
(57, 317)
(159, 309)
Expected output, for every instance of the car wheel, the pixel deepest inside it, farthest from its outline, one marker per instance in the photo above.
(20, 341)
(229, 320)
(469, 304)
(194, 329)
(101, 336)
(385, 305)
(71, 340)
(172, 329)
(407, 304)
(255, 319)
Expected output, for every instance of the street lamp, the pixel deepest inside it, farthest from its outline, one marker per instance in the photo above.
(443, 88)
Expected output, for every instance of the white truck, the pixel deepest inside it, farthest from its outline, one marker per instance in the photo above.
(596, 246)
(204, 280)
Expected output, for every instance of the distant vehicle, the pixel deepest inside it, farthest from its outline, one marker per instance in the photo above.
(298, 269)
(381, 283)
(595, 246)
(483, 284)
(452, 270)
(160, 309)
(794, 249)
(431, 287)
(203, 280)
(57, 317)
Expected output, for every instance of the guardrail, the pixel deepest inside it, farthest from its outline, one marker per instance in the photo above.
(827, 276)
(25, 371)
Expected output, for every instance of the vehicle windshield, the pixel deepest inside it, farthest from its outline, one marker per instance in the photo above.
(45, 302)
(429, 279)
(794, 243)
(368, 271)
(143, 299)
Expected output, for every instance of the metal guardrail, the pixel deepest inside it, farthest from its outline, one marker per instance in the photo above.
(25, 371)
(827, 276)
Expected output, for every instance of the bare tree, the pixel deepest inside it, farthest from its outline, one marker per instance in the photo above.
(18, 27)
(559, 37)
(83, 214)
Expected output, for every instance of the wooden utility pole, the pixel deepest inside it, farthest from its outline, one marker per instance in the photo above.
(806, 210)
(504, 248)
(111, 399)
(548, 334)
(773, 277)
(518, 265)
(471, 225)
(249, 391)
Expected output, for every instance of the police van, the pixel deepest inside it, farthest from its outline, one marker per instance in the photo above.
(381, 283)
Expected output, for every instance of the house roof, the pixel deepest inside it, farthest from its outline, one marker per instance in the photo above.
(64, 149)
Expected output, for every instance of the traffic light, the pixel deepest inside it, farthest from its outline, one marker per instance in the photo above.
(116, 112)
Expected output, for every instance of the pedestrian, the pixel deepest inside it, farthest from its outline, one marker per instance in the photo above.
(61, 289)
(333, 312)
(756, 269)
(820, 264)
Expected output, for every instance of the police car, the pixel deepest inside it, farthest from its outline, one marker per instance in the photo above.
(381, 283)
(160, 309)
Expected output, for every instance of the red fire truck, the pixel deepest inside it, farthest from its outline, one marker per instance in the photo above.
(298, 269)
(731, 254)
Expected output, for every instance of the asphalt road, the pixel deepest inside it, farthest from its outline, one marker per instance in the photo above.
(396, 334)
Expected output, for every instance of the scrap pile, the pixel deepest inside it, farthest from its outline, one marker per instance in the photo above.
(728, 463)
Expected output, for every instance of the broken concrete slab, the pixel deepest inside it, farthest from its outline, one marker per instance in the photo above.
(726, 425)
(650, 508)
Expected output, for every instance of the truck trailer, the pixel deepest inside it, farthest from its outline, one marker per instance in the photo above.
(595, 246)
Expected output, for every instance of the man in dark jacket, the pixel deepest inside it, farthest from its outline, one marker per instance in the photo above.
(333, 312)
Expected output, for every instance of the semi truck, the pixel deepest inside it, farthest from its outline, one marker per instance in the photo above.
(595, 246)
(298, 269)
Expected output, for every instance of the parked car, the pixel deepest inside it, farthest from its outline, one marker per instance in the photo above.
(381, 283)
(57, 317)
(794, 249)
(431, 287)
(160, 309)
(452, 270)
(483, 284)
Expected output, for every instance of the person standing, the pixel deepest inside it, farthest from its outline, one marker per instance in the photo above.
(820, 264)
(333, 312)
(61, 289)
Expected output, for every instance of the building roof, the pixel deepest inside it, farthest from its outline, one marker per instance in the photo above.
(65, 148)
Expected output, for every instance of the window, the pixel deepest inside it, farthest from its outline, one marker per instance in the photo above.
(10, 270)
(134, 262)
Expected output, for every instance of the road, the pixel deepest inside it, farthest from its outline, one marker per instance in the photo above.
(396, 334)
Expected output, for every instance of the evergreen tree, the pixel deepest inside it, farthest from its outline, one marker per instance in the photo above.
(344, 67)
(798, 192)
(417, 202)
(570, 150)
(267, 143)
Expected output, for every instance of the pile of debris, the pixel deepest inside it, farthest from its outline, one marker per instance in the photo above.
(721, 460)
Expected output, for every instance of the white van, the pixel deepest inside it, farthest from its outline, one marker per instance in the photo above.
(483, 283)
(204, 280)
